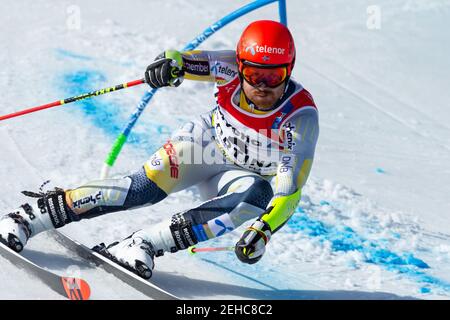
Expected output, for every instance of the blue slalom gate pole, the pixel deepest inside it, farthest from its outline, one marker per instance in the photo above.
(282, 11)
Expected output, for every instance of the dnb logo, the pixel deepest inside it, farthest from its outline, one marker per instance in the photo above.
(221, 225)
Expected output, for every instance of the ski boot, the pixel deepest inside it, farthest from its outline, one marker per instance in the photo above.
(50, 211)
(134, 253)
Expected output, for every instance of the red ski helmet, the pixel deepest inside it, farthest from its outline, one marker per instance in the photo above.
(266, 43)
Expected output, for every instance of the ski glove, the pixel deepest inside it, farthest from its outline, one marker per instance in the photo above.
(166, 70)
(252, 245)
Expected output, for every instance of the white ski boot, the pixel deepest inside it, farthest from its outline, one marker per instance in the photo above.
(48, 212)
(134, 253)
(18, 226)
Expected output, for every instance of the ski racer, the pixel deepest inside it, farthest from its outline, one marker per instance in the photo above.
(264, 125)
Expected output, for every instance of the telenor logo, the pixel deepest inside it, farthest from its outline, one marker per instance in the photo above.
(251, 49)
(254, 48)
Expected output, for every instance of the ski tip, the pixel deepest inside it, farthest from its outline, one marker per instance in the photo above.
(76, 289)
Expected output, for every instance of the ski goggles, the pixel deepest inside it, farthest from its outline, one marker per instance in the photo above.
(270, 76)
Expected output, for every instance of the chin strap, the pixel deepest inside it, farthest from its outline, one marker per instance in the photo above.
(286, 87)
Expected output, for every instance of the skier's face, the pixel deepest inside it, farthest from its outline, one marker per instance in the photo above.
(262, 96)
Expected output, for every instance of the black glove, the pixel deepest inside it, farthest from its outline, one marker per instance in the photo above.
(252, 245)
(165, 71)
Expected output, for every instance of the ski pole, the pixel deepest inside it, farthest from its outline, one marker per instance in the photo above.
(193, 250)
(73, 99)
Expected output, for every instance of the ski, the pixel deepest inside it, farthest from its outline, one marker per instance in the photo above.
(69, 287)
(149, 289)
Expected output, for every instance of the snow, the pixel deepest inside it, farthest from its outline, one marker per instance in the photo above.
(374, 218)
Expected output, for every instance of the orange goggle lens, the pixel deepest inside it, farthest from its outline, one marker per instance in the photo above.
(271, 77)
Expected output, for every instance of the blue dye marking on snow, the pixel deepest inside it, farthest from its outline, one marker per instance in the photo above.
(105, 114)
(425, 290)
(345, 239)
(73, 55)
(70, 54)
(380, 170)
(396, 235)
(352, 265)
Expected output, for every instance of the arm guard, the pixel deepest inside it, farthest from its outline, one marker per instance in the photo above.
(280, 210)
(294, 168)
(209, 65)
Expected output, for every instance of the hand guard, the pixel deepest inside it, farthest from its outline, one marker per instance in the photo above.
(165, 71)
(252, 245)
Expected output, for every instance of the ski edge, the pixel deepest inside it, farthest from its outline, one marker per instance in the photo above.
(131, 279)
(68, 287)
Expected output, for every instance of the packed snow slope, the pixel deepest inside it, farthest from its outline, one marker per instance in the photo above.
(374, 220)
